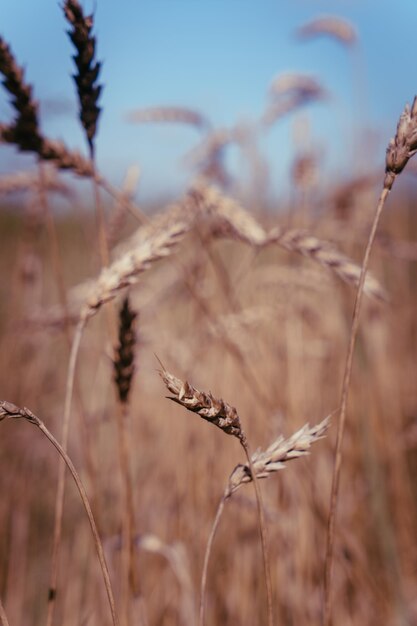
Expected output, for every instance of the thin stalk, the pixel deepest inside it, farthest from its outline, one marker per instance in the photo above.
(100, 553)
(59, 278)
(120, 197)
(343, 409)
(129, 572)
(264, 544)
(60, 494)
(263, 533)
(209, 546)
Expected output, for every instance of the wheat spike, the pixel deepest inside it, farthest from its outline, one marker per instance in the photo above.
(403, 146)
(327, 255)
(87, 68)
(124, 361)
(277, 454)
(24, 132)
(214, 410)
(232, 220)
(125, 270)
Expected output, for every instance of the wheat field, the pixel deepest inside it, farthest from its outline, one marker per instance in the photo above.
(128, 333)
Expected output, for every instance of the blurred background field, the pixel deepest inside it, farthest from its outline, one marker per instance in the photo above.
(265, 329)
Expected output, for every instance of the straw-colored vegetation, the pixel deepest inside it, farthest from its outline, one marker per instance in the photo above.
(273, 310)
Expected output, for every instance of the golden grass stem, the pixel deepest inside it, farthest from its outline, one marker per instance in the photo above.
(203, 587)
(343, 410)
(100, 553)
(263, 534)
(9, 410)
(129, 571)
(60, 494)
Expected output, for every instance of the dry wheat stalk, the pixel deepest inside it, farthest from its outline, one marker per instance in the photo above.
(277, 454)
(400, 149)
(225, 417)
(8, 410)
(124, 368)
(260, 465)
(175, 114)
(87, 68)
(336, 27)
(214, 410)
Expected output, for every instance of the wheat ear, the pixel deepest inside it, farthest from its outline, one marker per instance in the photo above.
(89, 91)
(232, 220)
(87, 68)
(400, 149)
(9, 410)
(263, 464)
(224, 416)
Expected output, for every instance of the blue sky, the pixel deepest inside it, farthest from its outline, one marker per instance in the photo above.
(217, 56)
